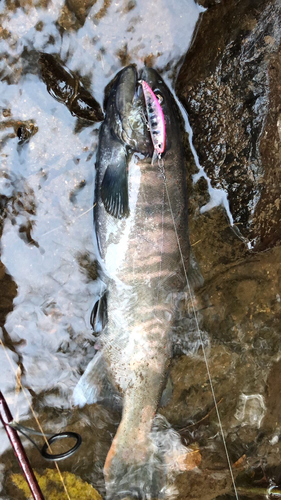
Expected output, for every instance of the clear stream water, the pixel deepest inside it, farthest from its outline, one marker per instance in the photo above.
(54, 296)
(47, 185)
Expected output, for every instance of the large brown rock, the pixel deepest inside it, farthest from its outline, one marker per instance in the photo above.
(230, 86)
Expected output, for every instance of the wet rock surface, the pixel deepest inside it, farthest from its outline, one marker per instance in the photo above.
(242, 323)
(66, 88)
(230, 86)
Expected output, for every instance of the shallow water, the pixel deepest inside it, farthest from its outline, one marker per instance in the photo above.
(55, 295)
(46, 187)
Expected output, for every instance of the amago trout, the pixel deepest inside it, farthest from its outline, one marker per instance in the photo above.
(142, 277)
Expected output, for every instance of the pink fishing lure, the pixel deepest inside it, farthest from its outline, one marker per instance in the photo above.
(155, 117)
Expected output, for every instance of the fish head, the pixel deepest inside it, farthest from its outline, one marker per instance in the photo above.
(125, 110)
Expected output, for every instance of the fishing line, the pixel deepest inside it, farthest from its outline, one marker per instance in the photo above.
(35, 417)
(162, 171)
(162, 241)
(71, 223)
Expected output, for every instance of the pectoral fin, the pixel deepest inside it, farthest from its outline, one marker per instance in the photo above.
(114, 188)
(98, 318)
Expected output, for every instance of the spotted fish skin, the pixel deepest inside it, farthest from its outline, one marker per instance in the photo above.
(155, 117)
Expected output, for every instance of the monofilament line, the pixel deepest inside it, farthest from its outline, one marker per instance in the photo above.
(71, 222)
(162, 170)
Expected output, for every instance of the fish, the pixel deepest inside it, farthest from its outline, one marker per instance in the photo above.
(142, 252)
(65, 87)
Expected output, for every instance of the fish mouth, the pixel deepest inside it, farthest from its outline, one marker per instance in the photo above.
(125, 73)
(149, 75)
(152, 77)
(127, 110)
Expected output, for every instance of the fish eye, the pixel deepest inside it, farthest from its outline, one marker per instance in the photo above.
(159, 96)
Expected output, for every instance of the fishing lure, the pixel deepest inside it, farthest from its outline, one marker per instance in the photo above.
(156, 120)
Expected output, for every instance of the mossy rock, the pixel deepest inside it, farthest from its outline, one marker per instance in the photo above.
(52, 487)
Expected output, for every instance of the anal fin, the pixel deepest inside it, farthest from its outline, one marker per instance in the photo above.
(89, 386)
(95, 386)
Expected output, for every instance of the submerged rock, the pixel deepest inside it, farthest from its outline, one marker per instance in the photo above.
(230, 85)
(65, 87)
(241, 333)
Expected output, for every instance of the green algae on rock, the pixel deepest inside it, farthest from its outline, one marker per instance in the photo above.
(52, 486)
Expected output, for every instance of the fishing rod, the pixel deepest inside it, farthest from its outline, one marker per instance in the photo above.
(6, 418)
(12, 428)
